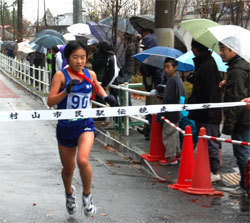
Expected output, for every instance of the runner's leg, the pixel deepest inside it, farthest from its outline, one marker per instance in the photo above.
(67, 156)
(85, 143)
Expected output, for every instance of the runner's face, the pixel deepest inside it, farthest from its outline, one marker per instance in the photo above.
(77, 59)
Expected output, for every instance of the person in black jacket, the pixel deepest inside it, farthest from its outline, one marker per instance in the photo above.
(237, 119)
(206, 80)
(111, 71)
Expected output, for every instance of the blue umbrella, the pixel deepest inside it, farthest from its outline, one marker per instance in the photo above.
(155, 56)
(186, 63)
(38, 48)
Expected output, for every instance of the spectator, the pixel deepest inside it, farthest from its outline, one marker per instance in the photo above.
(129, 67)
(39, 62)
(112, 69)
(58, 57)
(171, 95)
(97, 60)
(64, 61)
(237, 119)
(151, 76)
(206, 79)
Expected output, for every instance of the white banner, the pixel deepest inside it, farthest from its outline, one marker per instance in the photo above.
(29, 115)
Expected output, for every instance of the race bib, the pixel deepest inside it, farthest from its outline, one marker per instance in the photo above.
(78, 100)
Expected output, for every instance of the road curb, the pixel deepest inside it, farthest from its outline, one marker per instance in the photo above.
(107, 139)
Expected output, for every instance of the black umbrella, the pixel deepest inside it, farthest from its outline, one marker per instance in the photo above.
(142, 22)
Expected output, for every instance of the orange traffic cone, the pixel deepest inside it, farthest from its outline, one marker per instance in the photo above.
(201, 179)
(157, 149)
(187, 162)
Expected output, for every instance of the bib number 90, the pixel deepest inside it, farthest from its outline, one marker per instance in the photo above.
(78, 102)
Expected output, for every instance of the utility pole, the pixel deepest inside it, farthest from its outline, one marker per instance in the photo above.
(20, 21)
(77, 11)
(164, 22)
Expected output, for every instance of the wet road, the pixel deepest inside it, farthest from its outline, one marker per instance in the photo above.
(31, 189)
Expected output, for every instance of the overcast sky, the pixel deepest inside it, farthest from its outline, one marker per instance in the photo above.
(56, 7)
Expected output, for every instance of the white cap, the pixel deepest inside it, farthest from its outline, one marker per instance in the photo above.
(92, 42)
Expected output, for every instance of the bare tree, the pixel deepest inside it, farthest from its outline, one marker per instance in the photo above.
(20, 20)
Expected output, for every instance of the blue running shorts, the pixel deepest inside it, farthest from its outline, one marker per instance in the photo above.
(68, 132)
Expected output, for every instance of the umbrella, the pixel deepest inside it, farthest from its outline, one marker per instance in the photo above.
(186, 63)
(79, 28)
(85, 37)
(142, 22)
(155, 56)
(48, 41)
(69, 36)
(25, 47)
(10, 45)
(198, 28)
(235, 38)
(38, 48)
(103, 32)
(51, 32)
(123, 24)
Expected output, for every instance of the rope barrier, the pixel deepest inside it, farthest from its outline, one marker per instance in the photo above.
(225, 140)
(173, 125)
(61, 114)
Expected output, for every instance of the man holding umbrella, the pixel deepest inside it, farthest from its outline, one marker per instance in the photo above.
(237, 120)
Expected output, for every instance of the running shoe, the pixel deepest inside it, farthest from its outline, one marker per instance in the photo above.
(168, 161)
(89, 207)
(71, 201)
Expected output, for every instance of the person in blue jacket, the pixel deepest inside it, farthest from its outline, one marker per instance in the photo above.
(71, 88)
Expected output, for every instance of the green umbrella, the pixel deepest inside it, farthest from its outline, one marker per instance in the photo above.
(198, 28)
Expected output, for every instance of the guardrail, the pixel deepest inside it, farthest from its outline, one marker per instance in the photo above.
(31, 76)
(38, 79)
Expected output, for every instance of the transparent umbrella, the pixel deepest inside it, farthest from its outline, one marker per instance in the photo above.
(234, 37)
(79, 28)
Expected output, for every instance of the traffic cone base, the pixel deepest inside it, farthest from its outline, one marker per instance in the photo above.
(201, 178)
(157, 149)
(208, 191)
(151, 158)
(187, 162)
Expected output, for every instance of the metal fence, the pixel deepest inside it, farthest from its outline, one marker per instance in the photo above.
(33, 77)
